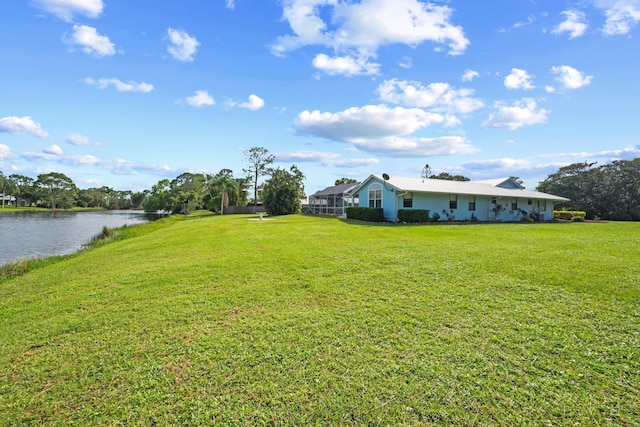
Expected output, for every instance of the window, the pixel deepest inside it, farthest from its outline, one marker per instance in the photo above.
(407, 200)
(472, 203)
(542, 205)
(375, 196)
(514, 205)
(529, 202)
(453, 201)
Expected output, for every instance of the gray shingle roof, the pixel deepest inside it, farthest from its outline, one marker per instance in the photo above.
(336, 189)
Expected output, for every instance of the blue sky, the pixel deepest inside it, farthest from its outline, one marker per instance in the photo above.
(125, 93)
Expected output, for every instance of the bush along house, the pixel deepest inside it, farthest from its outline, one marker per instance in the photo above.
(489, 200)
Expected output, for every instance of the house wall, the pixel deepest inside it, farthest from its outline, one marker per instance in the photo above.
(437, 202)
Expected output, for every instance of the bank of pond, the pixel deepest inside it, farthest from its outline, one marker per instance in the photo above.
(40, 234)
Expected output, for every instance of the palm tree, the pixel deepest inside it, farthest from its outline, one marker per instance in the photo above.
(224, 182)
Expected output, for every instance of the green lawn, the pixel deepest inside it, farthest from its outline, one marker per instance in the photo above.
(301, 320)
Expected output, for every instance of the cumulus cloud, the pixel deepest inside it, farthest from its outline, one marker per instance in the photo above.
(126, 167)
(200, 99)
(5, 152)
(382, 130)
(324, 158)
(346, 65)
(628, 153)
(521, 113)
(117, 166)
(370, 121)
(405, 62)
(621, 15)
(504, 163)
(119, 85)
(68, 9)
(90, 41)
(570, 78)
(422, 147)
(440, 97)
(22, 125)
(77, 139)
(254, 103)
(518, 79)
(84, 160)
(182, 46)
(359, 29)
(469, 75)
(53, 149)
(575, 24)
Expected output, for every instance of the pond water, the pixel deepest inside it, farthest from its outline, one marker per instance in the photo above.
(44, 234)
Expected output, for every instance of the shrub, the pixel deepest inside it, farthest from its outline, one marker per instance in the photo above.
(569, 215)
(527, 220)
(365, 214)
(435, 217)
(413, 215)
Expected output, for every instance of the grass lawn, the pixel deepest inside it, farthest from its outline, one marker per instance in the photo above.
(301, 320)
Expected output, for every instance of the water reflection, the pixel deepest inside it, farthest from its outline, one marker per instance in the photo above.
(43, 234)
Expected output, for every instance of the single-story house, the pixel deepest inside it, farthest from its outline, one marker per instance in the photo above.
(490, 200)
(332, 200)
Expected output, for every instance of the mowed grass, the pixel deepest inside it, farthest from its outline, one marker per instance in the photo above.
(316, 321)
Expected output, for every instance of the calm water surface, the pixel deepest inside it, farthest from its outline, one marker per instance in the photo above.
(44, 234)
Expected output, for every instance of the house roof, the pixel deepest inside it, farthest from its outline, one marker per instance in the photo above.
(336, 189)
(478, 188)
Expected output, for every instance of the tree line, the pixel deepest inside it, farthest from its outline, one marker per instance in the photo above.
(281, 193)
(57, 191)
(610, 191)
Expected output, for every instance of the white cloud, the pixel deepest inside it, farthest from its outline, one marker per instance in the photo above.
(621, 15)
(126, 167)
(119, 85)
(628, 153)
(440, 97)
(254, 103)
(182, 46)
(90, 41)
(86, 160)
(77, 139)
(504, 163)
(231, 4)
(324, 158)
(575, 24)
(382, 130)
(417, 147)
(67, 9)
(346, 65)
(469, 75)
(521, 113)
(53, 149)
(518, 79)
(22, 125)
(200, 99)
(405, 62)
(370, 121)
(5, 152)
(367, 25)
(570, 78)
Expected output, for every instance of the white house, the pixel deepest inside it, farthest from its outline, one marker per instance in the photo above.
(490, 200)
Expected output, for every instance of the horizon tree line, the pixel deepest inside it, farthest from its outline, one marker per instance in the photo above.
(609, 191)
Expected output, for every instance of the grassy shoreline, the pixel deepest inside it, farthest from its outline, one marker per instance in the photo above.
(22, 266)
(302, 320)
